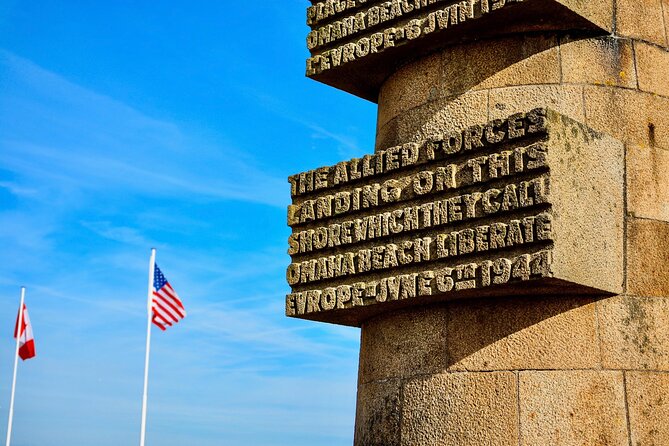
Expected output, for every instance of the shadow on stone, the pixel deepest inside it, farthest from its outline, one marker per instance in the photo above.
(481, 335)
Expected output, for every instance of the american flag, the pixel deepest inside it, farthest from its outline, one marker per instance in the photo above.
(166, 306)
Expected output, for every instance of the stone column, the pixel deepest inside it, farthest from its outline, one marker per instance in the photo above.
(543, 366)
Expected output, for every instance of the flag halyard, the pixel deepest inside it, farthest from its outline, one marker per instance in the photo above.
(25, 336)
(166, 306)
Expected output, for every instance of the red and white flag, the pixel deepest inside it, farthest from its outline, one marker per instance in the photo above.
(166, 306)
(26, 338)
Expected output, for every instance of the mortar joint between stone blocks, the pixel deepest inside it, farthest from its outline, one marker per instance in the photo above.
(627, 409)
(518, 408)
(625, 220)
(636, 66)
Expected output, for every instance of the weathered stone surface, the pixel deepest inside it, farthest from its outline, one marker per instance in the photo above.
(359, 47)
(546, 361)
(648, 257)
(589, 241)
(461, 409)
(531, 333)
(648, 400)
(506, 334)
(565, 99)
(434, 118)
(633, 117)
(652, 63)
(498, 63)
(665, 9)
(504, 62)
(377, 418)
(412, 85)
(633, 333)
(572, 408)
(599, 12)
(641, 19)
(648, 183)
(598, 61)
(560, 225)
(403, 344)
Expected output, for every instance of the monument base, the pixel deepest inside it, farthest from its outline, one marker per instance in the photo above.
(530, 367)
(528, 371)
(534, 370)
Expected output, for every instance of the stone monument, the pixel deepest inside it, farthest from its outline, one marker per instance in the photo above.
(505, 248)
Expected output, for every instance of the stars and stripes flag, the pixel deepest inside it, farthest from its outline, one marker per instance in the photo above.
(25, 336)
(166, 307)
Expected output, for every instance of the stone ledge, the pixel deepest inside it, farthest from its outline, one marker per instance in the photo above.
(373, 49)
(573, 220)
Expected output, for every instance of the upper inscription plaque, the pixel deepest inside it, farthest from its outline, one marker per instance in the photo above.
(356, 44)
(532, 199)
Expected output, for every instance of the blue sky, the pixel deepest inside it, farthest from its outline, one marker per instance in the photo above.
(131, 124)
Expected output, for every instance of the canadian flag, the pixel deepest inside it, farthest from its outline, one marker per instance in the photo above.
(26, 339)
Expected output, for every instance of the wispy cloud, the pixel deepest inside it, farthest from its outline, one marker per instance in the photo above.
(347, 144)
(90, 183)
(121, 234)
(17, 190)
(91, 141)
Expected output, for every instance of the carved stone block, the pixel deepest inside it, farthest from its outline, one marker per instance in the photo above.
(531, 204)
(356, 44)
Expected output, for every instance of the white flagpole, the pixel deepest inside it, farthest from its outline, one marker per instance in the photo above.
(152, 266)
(16, 363)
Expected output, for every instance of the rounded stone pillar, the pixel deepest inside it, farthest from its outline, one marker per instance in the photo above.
(574, 353)
(545, 369)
